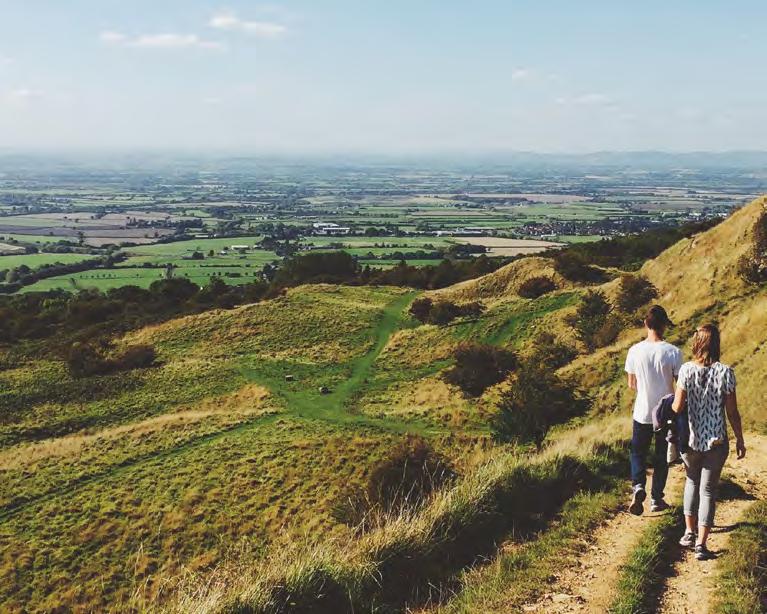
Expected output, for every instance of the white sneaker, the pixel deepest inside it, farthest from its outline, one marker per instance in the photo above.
(637, 500)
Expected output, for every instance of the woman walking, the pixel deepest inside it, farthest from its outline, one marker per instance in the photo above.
(708, 388)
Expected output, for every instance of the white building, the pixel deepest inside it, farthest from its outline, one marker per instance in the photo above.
(328, 228)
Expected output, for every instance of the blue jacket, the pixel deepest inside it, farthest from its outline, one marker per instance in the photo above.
(675, 424)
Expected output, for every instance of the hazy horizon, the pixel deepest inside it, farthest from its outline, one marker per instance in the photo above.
(295, 78)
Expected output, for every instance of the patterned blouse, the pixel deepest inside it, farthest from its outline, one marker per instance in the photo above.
(706, 390)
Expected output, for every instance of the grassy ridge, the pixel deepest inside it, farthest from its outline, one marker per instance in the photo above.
(520, 575)
(412, 557)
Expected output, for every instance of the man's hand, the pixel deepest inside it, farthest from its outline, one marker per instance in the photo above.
(740, 447)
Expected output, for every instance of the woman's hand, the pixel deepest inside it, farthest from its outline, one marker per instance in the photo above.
(740, 447)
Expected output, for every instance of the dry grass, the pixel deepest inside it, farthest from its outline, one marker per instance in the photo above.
(249, 400)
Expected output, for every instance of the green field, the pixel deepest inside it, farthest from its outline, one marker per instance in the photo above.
(36, 260)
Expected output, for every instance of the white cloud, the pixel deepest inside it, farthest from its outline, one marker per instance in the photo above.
(160, 41)
(213, 101)
(21, 95)
(111, 37)
(232, 23)
(520, 74)
(591, 99)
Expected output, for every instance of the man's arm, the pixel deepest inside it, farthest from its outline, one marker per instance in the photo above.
(632, 381)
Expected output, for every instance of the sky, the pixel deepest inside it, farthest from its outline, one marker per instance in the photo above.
(383, 76)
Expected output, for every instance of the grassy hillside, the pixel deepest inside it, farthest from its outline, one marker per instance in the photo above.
(218, 470)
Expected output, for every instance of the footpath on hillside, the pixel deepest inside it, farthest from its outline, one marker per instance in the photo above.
(589, 583)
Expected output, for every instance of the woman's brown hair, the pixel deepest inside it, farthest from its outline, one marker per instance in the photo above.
(706, 344)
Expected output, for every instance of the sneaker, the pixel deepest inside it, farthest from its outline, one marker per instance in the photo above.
(658, 505)
(688, 540)
(637, 500)
(702, 553)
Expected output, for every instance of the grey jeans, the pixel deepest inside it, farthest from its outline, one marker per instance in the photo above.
(703, 471)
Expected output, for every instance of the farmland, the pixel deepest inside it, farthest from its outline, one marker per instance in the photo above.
(165, 222)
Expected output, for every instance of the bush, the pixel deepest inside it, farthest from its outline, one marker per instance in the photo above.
(403, 481)
(421, 308)
(593, 321)
(478, 366)
(536, 287)
(575, 266)
(536, 400)
(633, 292)
(551, 352)
(86, 360)
(443, 312)
(135, 357)
(753, 265)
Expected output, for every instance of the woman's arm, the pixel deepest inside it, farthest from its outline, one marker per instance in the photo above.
(679, 400)
(733, 415)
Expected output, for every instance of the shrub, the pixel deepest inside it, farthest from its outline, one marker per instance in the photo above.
(552, 352)
(633, 292)
(478, 366)
(86, 360)
(593, 321)
(536, 400)
(575, 266)
(135, 357)
(753, 265)
(403, 481)
(536, 287)
(421, 308)
(443, 312)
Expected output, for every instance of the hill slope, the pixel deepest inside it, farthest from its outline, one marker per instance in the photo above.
(228, 446)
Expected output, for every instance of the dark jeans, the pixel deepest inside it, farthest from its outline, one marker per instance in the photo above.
(640, 445)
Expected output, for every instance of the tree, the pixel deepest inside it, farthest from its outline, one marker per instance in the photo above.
(536, 287)
(551, 351)
(478, 366)
(590, 318)
(633, 292)
(536, 400)
(421, 308)
(443, 312)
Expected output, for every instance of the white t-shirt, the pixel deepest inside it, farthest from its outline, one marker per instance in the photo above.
(706, 389)
(655, 364)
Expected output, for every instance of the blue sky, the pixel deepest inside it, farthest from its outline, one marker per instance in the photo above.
(394, 76)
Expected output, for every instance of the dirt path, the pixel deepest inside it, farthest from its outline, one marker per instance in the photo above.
(689, 590)
(589, 584)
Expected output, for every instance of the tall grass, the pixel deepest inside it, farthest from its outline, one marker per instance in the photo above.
(411, 559)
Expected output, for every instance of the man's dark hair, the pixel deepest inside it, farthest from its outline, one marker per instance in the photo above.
(657, 319)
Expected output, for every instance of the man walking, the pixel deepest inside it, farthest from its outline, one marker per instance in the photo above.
(652, 366)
